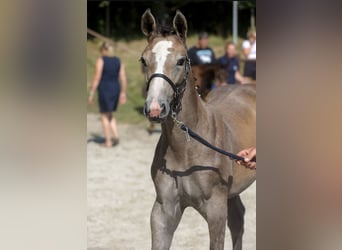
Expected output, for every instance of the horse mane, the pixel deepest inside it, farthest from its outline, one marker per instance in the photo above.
(165, 30)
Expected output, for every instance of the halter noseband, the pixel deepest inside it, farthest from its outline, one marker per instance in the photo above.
(178, 89)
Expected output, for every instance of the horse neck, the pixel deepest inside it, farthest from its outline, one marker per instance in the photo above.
(193, 109)
(193, 112)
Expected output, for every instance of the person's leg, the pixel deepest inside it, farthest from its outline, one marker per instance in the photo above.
(114, 129)
(150, 129)
(105, 118)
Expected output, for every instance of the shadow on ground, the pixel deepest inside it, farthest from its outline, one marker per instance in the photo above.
(99, 139)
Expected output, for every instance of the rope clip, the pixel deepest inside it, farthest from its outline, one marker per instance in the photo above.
(181, 125)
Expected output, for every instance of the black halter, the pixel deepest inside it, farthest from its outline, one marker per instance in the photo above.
(178, 89)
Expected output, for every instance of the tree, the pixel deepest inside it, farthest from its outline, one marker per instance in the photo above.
(121, 19)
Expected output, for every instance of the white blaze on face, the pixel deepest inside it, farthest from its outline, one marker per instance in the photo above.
(160, 51)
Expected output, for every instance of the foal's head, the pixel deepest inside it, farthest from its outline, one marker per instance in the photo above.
(165, 64)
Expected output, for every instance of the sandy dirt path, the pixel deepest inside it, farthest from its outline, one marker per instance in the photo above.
(121, 195)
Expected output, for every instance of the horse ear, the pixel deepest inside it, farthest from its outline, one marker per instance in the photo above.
(148, 23)
(180, 25)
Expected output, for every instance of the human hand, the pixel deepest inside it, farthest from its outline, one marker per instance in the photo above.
(90, 99)
(249, 155)
(245, 80)
(123, 98)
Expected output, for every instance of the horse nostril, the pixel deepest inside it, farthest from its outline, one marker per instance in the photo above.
(165, 109)
(146, 110)
(162, 107)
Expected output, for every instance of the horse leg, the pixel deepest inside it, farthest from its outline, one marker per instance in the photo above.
(236, 212)
(165, 218)
(215, 213)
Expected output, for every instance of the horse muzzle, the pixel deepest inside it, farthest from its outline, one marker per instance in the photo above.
(157, 111)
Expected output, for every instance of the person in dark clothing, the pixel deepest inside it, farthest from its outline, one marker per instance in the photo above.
(202, 53)
(231, 63)
(110, 81)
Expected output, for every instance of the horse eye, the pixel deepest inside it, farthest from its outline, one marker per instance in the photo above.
(180, 62)
(142, 60)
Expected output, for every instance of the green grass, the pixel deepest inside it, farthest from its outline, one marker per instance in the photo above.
(129, 53)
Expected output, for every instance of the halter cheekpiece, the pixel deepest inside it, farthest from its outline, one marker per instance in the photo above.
(178, 88)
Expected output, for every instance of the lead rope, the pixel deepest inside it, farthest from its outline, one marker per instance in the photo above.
(188, 132)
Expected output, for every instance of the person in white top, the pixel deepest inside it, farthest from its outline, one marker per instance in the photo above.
(249, 51)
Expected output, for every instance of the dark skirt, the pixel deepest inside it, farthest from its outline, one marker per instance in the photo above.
(108, 97)
(250, 69)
